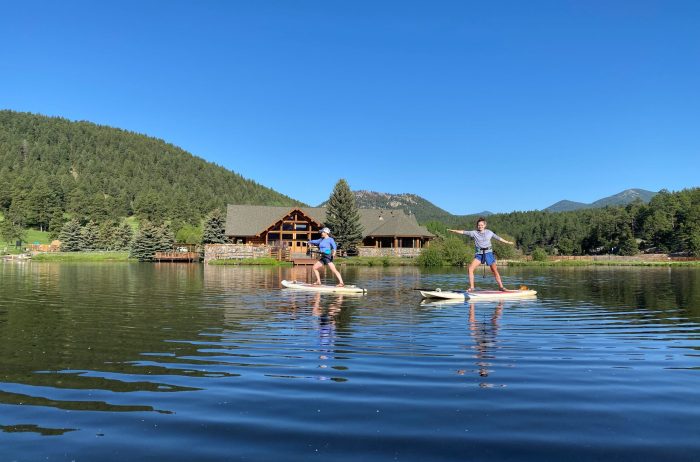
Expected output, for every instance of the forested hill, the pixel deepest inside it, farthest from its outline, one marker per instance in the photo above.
(51, 165)
(423, 209)
(623, 198)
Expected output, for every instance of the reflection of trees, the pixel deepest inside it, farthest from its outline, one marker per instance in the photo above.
(90, 327)
(484, 333)
(627, 288)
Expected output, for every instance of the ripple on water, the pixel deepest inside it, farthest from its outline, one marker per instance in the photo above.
(207, 363)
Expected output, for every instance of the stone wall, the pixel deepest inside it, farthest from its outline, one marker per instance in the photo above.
(234, 251)
(388, 252)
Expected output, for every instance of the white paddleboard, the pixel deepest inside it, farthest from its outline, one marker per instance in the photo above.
(478, 294)
(347, 289)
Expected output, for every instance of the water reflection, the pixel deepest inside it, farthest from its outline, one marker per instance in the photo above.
(327, 317)
(232, 366)
(484, 333)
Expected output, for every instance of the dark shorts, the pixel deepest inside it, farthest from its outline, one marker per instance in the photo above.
(489, 258)
(326, 259)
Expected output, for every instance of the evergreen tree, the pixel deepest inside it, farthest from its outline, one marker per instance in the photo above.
(105, 236)
(166, 239)
(70, 236)
(10, 231)
(214, 228)
(343, 217)
(56, 223)
(89, 236)
(146, 242)
(121, 237)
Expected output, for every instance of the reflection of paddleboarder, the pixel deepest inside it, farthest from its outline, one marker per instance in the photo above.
(326, 323)
(484, 334)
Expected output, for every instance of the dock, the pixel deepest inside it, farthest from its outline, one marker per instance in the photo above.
(303, 261)
(177, 256)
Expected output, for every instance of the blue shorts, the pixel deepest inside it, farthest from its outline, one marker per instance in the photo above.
(488, 256)
(326, 259)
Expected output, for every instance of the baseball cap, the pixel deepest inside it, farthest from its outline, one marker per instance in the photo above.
(326, 230)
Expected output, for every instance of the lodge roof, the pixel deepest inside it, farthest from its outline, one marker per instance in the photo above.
(251, 220)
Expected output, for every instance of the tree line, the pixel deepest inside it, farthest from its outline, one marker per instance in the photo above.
(53, 170)
(669, 223)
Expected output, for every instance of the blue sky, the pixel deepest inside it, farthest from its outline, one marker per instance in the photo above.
(473, 105)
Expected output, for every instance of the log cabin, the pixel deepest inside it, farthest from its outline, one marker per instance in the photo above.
(385, 232)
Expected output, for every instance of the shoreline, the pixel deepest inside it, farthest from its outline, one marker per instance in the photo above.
(356, 261)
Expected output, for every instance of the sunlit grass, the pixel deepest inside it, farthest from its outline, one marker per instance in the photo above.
(82, 256)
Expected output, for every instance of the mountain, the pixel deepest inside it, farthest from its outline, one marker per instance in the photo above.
(423, 209)
(625, 197)
(565, 206)
(50, 167)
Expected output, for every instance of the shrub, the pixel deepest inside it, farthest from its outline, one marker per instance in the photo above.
(431, 256)
(539, 254)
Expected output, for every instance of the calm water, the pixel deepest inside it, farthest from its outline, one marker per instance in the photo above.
(185, 362)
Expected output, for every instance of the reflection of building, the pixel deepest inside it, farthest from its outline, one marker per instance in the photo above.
(385, 232)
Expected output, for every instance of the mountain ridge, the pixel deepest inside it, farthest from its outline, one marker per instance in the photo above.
(426, 211)
(622, 198)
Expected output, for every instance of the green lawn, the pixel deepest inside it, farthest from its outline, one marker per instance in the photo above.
(32, 236)
(250, 262)
(603, 263)
(83, 256)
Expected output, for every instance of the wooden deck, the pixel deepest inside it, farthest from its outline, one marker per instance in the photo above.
(304, 261)
(177, 256)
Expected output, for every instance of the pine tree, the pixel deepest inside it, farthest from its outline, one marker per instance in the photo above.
(10, 231)
(70, 236)
(166, 239)
(343, 217)
(56, 223)
(121, 237)
(146, 242)
(89, 239)
(214, 232)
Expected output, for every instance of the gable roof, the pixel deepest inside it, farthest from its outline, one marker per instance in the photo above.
(251, 220)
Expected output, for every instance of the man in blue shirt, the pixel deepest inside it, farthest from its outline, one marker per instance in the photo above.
(327, 247)
(484, 253)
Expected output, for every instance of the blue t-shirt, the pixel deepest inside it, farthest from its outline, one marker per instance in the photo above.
(325, 245)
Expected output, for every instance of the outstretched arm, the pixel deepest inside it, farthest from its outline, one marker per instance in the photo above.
(507, 242)
(456, 231)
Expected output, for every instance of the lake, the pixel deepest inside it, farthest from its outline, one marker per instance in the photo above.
(180, 362)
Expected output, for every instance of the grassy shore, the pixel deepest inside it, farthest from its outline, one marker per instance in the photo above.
(375, 261)
(560, 263)
(250, 262)
(82, 256)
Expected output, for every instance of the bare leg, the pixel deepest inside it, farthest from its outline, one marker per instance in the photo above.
(316, 267)
(494, 269)
(337, 274)
(472, 266)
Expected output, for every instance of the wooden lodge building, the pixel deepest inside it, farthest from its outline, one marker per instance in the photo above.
(385, 232)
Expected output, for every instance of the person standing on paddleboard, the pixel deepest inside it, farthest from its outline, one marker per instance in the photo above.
(484, 252)
(327, 246)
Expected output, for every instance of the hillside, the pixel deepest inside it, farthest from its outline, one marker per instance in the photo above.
(51, 165)
(423, 209)
(623, 198)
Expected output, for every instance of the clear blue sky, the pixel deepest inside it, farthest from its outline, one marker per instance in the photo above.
(474, 105)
